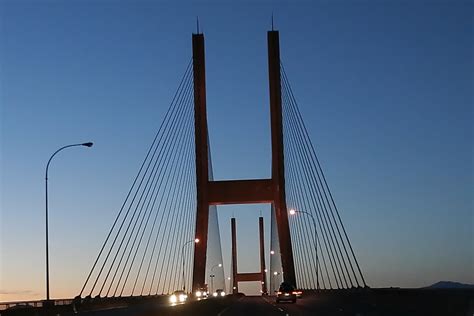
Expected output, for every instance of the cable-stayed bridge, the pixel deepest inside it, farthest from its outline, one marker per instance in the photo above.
(173, 199)
(165, 236)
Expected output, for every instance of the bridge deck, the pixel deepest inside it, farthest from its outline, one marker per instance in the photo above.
(348, 302)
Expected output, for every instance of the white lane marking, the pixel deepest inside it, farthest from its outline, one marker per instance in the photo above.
(224, 310)
(228, 307)
(274, 305)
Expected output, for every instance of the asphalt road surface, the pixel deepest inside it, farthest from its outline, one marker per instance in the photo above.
(322, 306)
(386, 302)
(257, 305)
(246, 306)
(240, 306)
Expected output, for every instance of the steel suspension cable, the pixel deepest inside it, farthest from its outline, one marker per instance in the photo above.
(293, 193)
(166, 164)
(136, 251)
(168, 201)
(133, 185)
(182, 221)
(290, 130)
(310, 146)
(326, 220)
(327, 237)
(188, 198)
(153, 197)
(305, 172)
(299, 197)
(178, 223)
(327, 226)
(133, 214)
(315, 235)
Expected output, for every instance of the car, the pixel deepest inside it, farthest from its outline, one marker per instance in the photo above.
(201, 293)
(178, 297)
(286, 292)
(219, 293)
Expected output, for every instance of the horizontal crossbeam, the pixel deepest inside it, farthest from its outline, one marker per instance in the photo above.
(240, 191)
(246, 277)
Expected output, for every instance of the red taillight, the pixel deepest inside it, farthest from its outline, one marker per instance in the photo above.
(294, 292)
(278, 292)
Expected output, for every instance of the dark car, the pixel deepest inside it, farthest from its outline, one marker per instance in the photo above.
(219, 293)
(178, 297)
(286, 292)
(202, 293)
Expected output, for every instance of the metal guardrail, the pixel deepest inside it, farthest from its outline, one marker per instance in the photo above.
(28, 304)
(76, 304)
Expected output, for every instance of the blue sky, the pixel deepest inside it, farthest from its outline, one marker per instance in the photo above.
(386, 89)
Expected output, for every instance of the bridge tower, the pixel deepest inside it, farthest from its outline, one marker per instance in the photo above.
(243, 277)
(211, 192)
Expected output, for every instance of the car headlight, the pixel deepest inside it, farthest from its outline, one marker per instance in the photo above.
(173, 298)
(182, 297)
(214, 294)
(198, 294)
(222, 293)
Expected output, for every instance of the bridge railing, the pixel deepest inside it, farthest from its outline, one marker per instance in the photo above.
(27, 304)
(79, 304)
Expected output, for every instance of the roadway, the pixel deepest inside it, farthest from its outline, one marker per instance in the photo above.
(257, 305)
(387, 302)
(237, 306)
(378, 303)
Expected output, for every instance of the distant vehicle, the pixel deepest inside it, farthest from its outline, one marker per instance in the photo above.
(178, 297)
(286, 292)
(201, 293)
(299, 293)
(219, 293)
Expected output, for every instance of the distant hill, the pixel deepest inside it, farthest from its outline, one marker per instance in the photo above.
(450, 285)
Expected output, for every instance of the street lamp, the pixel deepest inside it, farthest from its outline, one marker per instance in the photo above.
(182, 256)
(293, 212)
(274, 282)
(89, 144)
(212, 275)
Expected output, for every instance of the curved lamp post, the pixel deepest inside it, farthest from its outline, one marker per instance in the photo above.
(89, 144)
(182, 256)
(293, 212)
(274, 281)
